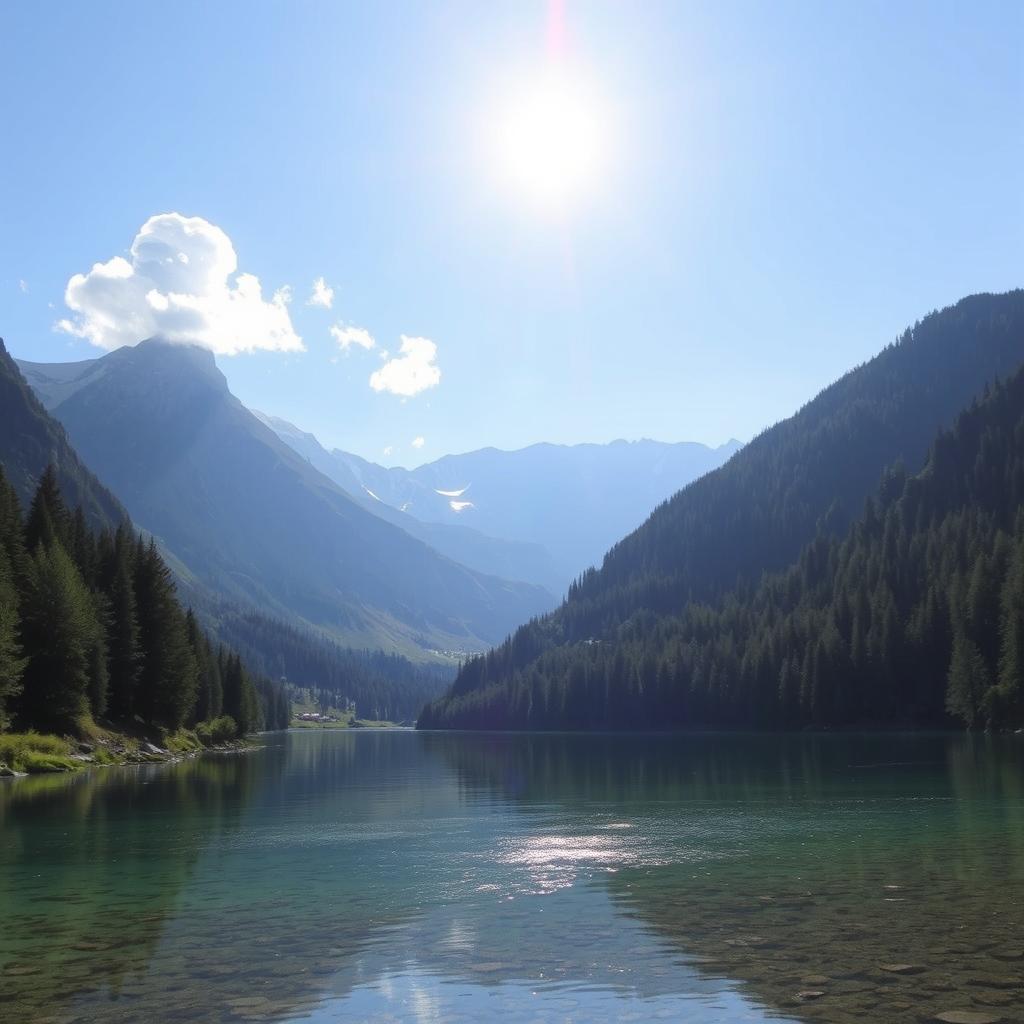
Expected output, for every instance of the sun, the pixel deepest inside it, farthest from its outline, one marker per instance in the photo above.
(550, 138)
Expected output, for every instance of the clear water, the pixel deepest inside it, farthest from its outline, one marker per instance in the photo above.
(396, 876)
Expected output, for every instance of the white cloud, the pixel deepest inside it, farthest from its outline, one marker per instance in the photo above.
(388, 450)
(23, 285)
(418, 442)
(415, 370)
(322, 295)
(180, 283)
(348, 335)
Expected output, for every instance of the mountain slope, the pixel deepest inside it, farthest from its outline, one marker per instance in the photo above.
(807, 475)
(568, 501)
(916, 616)
(508, 559)
(30, 440)
(255, 523)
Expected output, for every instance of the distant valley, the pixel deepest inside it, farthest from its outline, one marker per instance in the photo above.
(552, 509)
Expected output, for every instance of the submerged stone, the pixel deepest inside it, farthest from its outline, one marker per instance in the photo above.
(900, 968)
(967, 1017)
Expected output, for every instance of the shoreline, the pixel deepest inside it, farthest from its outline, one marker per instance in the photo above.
(115, 750)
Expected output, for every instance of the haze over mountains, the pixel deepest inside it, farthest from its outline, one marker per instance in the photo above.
(250, 520)
(672, 630)
(556, 508)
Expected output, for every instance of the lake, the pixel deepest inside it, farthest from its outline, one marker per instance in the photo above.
(400, 876)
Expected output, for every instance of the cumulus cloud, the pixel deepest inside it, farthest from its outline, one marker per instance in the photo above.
(347, 335)
(180, 282)
(418, 442)
(322, 295)
(413, 371)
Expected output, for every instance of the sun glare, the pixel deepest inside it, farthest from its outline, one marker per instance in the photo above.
(550, 140)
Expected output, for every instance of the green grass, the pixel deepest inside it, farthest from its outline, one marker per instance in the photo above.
(103, 756)
(345, 723)
(184, 741)
(36, 752)
(219, 730)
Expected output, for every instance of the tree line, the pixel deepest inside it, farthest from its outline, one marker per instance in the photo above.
(91, 626)
(382, 686)
(914, 617)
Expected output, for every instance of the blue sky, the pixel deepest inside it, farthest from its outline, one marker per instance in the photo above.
(781, 188)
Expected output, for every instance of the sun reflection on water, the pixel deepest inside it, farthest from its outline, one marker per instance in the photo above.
(555, 861)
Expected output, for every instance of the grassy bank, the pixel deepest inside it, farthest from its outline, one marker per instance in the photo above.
(347, 722)
(32, 753)
(338, 718)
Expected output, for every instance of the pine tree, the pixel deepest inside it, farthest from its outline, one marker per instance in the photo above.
(167, 684)
(1006, 704)
(209, 698)
(240, 701)
(123, 640)
(99, 669)
(48, 518)
(967, 681)
(59, 630)
(12, 664)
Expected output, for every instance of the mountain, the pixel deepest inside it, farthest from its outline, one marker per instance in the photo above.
(247, 519)
(655, 617)
(31, 440)
(561, 506)
(509, 559)
(90, 623)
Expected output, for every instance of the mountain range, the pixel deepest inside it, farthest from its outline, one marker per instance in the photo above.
(555, 508)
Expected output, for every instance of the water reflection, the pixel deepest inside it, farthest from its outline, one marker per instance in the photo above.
(366, 876)
(840, 878)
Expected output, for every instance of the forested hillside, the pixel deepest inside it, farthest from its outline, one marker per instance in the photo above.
(90, 628)
(865, 629)
(382, 686)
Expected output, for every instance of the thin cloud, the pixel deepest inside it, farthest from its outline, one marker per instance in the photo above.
(410, 373)
(322, 295)
(347, 335)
